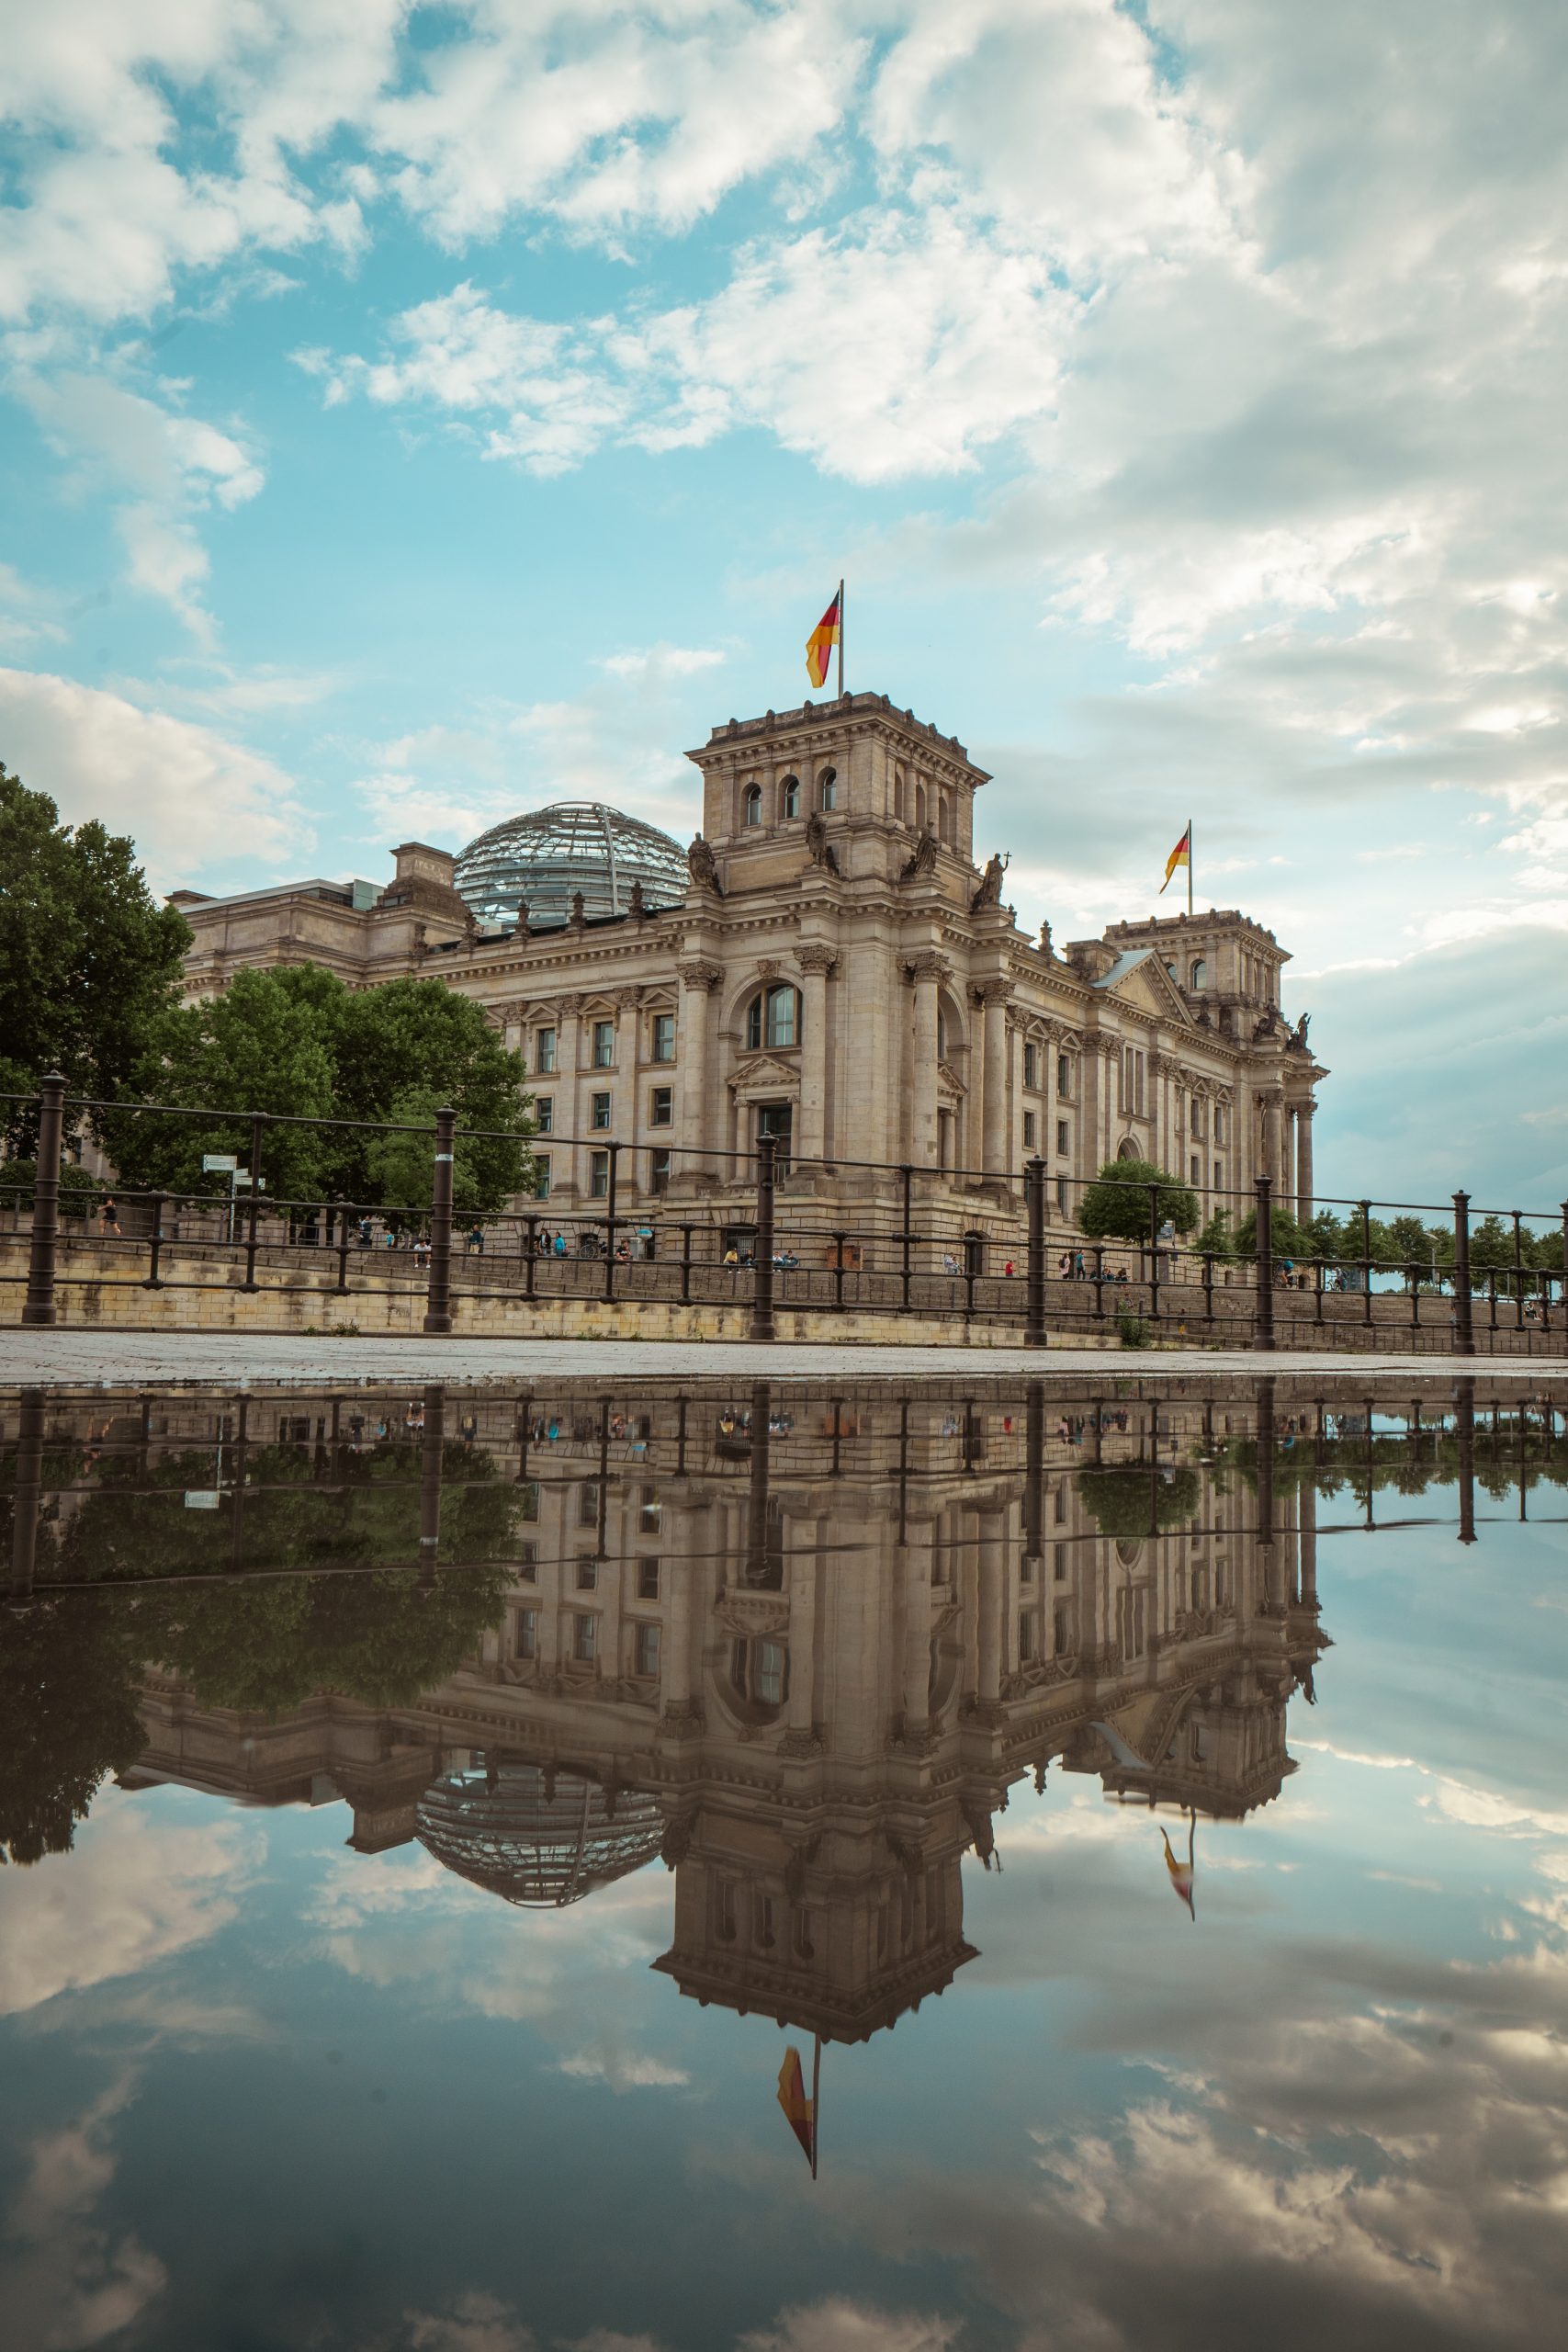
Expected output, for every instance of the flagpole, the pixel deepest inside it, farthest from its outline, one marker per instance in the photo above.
(1190, 848)
(816, 2038)
(841, 640)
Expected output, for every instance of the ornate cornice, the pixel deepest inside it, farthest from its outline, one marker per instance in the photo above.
(988, 992)
(927, 966)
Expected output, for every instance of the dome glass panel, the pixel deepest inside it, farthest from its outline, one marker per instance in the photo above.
(543, 858)
(541, 1843)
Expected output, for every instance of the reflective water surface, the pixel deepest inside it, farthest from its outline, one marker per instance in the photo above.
(484, 1868)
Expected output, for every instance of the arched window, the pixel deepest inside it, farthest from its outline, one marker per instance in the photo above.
(828, 790)
(944, 821)
(921, 806)
(789, 797)
(1127, 1149)
(1197, 977)
(773, 1018)
(751, 805)
(898, 795)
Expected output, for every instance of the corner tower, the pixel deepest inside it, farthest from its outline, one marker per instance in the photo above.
(856, 777)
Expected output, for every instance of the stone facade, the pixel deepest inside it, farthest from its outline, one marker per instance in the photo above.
(840, 974)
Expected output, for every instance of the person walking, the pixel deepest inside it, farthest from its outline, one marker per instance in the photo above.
(109, 1215)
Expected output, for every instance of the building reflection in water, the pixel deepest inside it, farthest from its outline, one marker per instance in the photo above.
(801, 1648)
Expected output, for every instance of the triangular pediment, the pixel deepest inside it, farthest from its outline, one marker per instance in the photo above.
(765, 1070)
(1143, 980)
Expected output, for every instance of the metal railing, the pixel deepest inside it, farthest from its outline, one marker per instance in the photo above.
(771, 1232)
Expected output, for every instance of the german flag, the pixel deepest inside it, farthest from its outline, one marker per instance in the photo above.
(799, 2112)
(1181, 855)
(1181, 1873)
(823, 639)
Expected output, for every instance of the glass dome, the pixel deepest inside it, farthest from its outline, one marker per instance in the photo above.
(543, 857)
(502, 1829)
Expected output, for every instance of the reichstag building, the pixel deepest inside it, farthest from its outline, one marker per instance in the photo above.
(826, 964)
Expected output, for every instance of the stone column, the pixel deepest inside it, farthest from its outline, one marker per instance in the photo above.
(699, 978)
(1273, 1140)
(993, 996)
(1307, 1524)
(801, 1537)
(1303, 1162)
(569, 1118)
(816, 961)
(992, 1600)
(680, 1709)
(926, 974)
(917, 1564)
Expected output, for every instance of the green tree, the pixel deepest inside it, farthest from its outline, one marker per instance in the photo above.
(1288, 1240)
(264, 1648)
(295, 1041)
(1216, 1239)
(1116, 1205)
(1131, 1502)
(88, 962)
(68, 1702)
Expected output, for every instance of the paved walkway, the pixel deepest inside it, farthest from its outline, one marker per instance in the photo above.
(73, 1359)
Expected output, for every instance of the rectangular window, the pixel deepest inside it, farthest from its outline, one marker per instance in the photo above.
(525, 1634)
(647, 1580)
(585, 1639)
(544, 1113)
(1062, 1631)
(1064, 1137)
(1032, 1065)
(587, 1575)
(1059, 1562)
(1065, 1077)
(588, 1503)
(661, 1107)
(599, 1114)
(1029, 1131)
(528, 1500)
(1026, 1637)
(664, 1037)
(1197, 1169)
(542, 1176)
(1062, 1195)
(1219, 1123)
(1219, 1177)
(650, 1512)
(598, 1175)
(648, 1650)
(545, 1052)
(529, 1562)
(659, 1171)
(603, 1045)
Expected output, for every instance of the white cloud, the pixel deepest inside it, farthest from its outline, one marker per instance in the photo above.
(195, 803)
(133, 1891)
(65, 2282)
(175, 466)
(837, 2324)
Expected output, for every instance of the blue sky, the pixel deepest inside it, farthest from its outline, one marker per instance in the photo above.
(411, 415)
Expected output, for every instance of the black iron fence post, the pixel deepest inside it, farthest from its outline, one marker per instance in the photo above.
(1366, 1262)
(438, 1298)
(1519, 1274)
(1465, 1305)
(762, 1267)
(155, 1280)
(610, 1197)
(38, 1306)
(250, 1282)
(907, 1175)
(1153, 1253)
(1035, 1196)
(343, 1226)
(1464, 1402)
(1263, 1333)
(432, 1467)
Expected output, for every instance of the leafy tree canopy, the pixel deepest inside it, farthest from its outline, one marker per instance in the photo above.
(1116, 1205)
(89, 964)
(1134, 1503)
(68, 1702)
(295, 1040)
